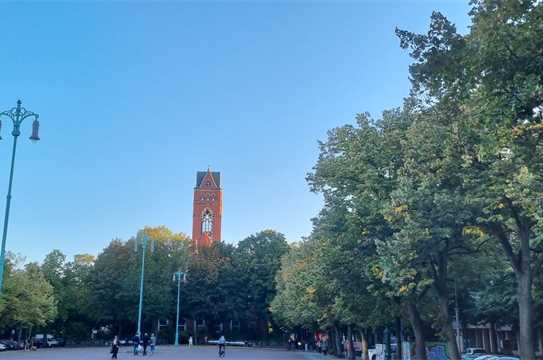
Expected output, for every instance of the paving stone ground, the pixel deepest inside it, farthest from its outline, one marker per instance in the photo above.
(162, 353)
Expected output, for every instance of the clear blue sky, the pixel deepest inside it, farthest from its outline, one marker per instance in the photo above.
(134, 98)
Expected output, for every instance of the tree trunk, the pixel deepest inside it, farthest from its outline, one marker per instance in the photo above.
(350, 352)
(416, 324)
(196, 334)
(29, 337)
(526, 343)
(493, 338)
(523, 274)
(337, 341)
(440, 272)
(447, 327)
(365, 355)
(398, 338)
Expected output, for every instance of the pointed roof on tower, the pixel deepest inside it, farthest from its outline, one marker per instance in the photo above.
(214, 177)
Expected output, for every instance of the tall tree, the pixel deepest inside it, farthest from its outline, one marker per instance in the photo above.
(259, 257)
(493, 77)
(28, 299)
(70, 285)
(358, 169)
(114, 280)
(297, 302)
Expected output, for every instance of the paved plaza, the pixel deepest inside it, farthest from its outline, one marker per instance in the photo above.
(163, 353)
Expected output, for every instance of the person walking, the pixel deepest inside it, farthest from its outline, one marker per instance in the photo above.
(115, 347)
(153, 343)
(136, 343)
(191, 342)
(324, 346)
(145, 343)
(222, 346)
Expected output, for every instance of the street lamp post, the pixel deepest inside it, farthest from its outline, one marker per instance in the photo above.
(178, 275)
(17, 114)
(140, 308)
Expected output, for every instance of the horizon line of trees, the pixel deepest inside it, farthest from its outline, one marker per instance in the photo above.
(93, 298)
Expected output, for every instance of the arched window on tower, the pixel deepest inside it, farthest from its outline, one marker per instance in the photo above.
(207, 221)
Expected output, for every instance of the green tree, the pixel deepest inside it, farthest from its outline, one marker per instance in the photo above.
(28, 299)
(259, 258)
(214, 290)
(493, 77)
(296, 302)
(114, 280)
(70, 281)
(358, 169)
(53, 268)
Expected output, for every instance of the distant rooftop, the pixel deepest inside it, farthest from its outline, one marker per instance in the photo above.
(201, 174)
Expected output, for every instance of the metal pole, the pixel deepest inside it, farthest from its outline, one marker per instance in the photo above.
(144, 248)
(178, 274)
(6, 218)
(17, 115)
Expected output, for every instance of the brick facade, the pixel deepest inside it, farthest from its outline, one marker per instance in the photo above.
(207, 208)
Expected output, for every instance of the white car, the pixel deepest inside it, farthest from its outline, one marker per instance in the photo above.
(3, 347)
(486, 357)
(377, 353)
(473, 352)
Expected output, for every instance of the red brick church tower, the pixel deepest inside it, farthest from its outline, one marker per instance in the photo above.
(207, 208)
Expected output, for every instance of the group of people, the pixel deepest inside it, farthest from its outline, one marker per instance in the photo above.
(140, 345)
(319, 343)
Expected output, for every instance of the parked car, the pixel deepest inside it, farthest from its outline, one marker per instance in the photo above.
(12, 344)
(41, 340)
(473, 352)
(486, 357)
(3, 347)
(378, 352)
(61, 342)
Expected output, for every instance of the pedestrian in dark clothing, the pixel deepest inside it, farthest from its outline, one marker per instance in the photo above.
(136, 343)
(324, 347)
(146, 340)
(222, 346)
(114, 348)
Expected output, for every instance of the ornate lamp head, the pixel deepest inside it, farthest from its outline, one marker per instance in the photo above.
(35, 130)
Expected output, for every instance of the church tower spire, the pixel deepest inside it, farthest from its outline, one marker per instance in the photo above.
(207, 208)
